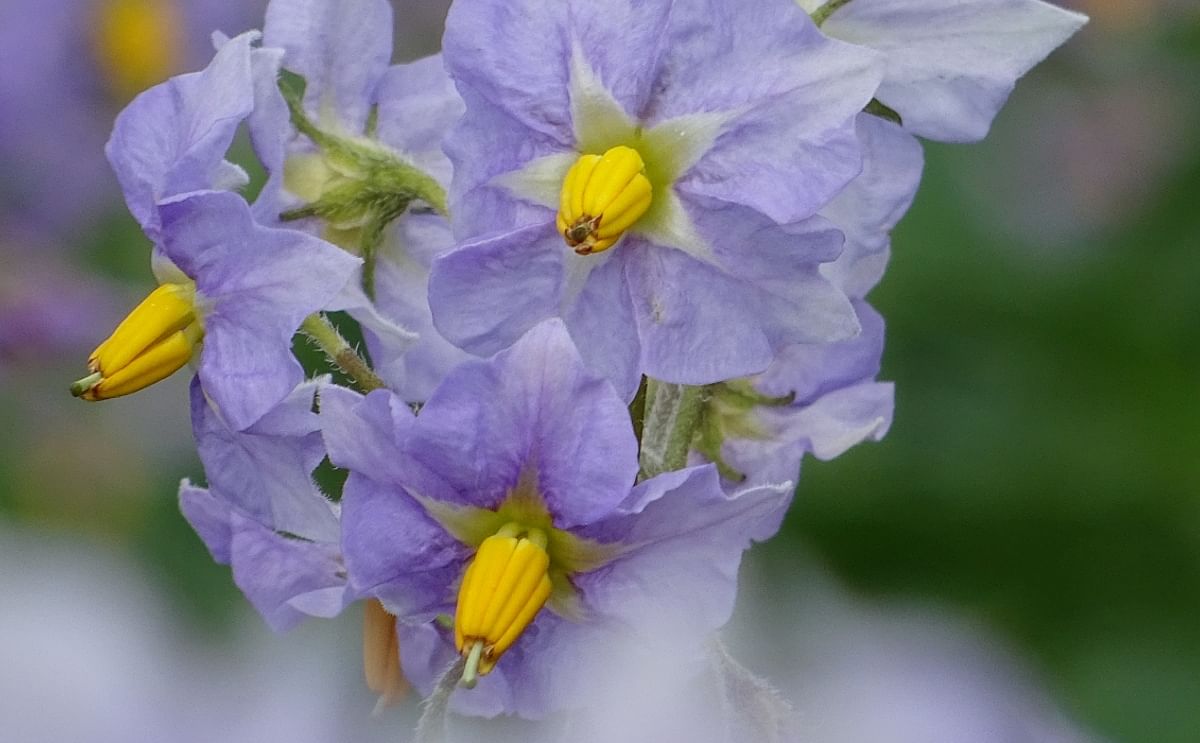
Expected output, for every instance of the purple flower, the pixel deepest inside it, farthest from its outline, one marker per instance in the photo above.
(263, 515)
(723, 133)
(528, 451)
(343, 51)
(950, 63)
(230, 289)
(813, 399)
(254, 286)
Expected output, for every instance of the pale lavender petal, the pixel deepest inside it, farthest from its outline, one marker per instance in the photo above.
(839, 420)
(809, 371)
(602, 324)
(697, 325)
(418, 104)
(341, 49)
(284, 578)
(273, 571)
(951, 64)
(362, 433)
(691, 537)
(485, 294)
(789, 93)
(484, 144)
(394, 551)
(525, 80)
(873, 203)
(266, 470)
(172, 139)
(533, 410)
(209, 516)
(259, 284)
(402, 293)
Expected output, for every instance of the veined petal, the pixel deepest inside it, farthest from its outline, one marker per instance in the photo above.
(508, 417)
(259, 284)
(873, 203)
(951, 64)
(417, 106)
(602, 322)
(521, 70)
(689, 537)
(172, 139)
(396, 552)
(696, 324)
(811, 370)
(485, 146)
(266, 470)
(279, 574)
(485, 294)
(341, 49)
(791, 96)
(838, 420)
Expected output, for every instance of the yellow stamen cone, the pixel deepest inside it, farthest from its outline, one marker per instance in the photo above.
(602, 197)
(156, 339)
(502, 591)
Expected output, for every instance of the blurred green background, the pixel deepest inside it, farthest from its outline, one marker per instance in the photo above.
(1042, 475)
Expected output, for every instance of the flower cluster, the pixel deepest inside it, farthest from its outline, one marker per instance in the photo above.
(609, 262)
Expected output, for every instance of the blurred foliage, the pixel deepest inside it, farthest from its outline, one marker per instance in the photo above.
(1042, 470)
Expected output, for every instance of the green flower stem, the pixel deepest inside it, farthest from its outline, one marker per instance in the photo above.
(672, 414)
(317, 327)
(431, 728)
(821, 14)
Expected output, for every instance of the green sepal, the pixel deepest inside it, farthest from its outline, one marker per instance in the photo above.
(876, 108)
(728, 412)
(372, 185)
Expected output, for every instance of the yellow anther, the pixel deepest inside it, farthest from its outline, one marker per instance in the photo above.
(503, 589)
(150, 344)
(137, 43)
(602, 197)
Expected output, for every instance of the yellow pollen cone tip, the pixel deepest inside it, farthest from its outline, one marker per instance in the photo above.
(156, 339)
(602, 197)
(502, 591)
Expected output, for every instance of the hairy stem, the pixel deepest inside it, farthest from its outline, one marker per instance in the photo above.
(318, 328)
(431, 728)
(821, 14)
(672, 413)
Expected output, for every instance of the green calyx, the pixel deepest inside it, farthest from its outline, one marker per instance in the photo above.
(355, 184)
(728, 411)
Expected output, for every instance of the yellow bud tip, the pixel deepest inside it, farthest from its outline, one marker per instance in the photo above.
(502, 591)
(602, 197)
(156, 339)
